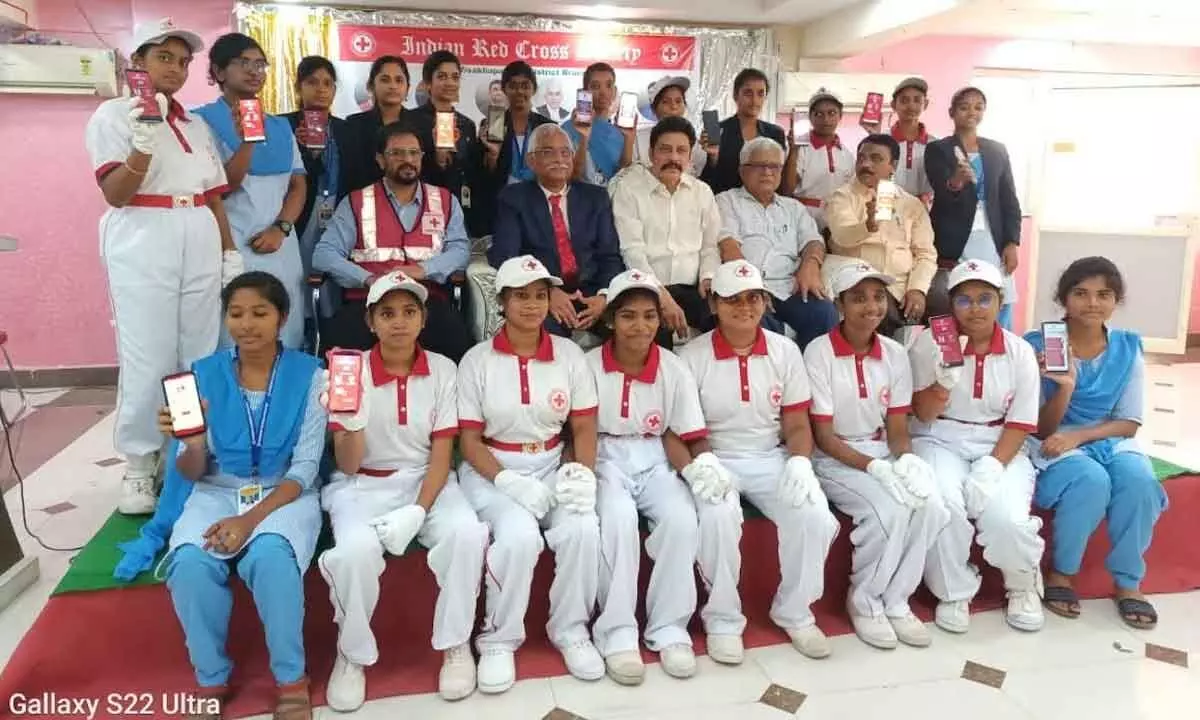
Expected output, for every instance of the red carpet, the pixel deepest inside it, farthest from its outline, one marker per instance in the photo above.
(88, 645)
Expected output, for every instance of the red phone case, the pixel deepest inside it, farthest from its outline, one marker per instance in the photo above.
(142, 88)
(345, 381)
(945, 334)
(315, 129)
(1055, 352)
(188, 432)
(873, 108)
(253, 125)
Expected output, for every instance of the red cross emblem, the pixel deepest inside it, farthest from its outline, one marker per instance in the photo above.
(670, 54)
(362, 43)
(558, 400)
(635, 276)
(530, 265)
(743, 271)
(400, 276)
(885, 397)
(864, 267)
(776, 396)
(167, 24)
(972, 266)
(653, 421)
(1008, 401)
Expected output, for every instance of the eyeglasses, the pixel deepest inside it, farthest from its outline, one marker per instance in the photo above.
(985, 301)
(764, 167)
(402, 153)
(548, 153)
(249, 65)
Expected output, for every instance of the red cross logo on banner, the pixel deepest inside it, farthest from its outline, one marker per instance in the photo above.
(743, 270)
(653, 421)
(558, 400)
(362, 44)
(670, 54)
(776, 396)
(530, 265)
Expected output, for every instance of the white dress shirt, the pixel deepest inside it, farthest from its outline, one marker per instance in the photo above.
(772, 237)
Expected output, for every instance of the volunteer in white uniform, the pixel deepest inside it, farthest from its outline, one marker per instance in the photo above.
(645, 392)
(818, 163)
(393, 483)
(161, 242)
(516, 394)
(971, 424)
(754, 393)
(861, 397)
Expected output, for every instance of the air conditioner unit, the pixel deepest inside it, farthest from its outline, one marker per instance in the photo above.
(58, 69)
(17, 15)
(850, 88)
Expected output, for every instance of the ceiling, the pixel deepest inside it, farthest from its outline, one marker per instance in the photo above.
(1131, 22)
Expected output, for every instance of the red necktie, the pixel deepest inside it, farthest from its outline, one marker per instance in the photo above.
(566, 256)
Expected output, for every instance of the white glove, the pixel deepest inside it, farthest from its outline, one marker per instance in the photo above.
(982, 483)
(882, 471)
(145, 135)
(232, 265)
(799, 483)
(397, 529)
(350, 422)
(947, 377)
(528, 492)
(915, 476)
(575, 488)
(708, 478)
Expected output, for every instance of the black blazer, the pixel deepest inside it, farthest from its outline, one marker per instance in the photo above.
(459, 178)
(953, 213)
(491, 182)
(522, 227)
(314, 165)
(725, 174)
(358, 159)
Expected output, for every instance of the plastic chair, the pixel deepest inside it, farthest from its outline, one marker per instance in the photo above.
(16, 384)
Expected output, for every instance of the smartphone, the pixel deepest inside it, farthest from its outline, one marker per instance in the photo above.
(1054, 335)
(712, 126)
(961, 155)
(142, 88)
(315, 130)
(885, 200)
(583, 107)
(183, 401)
(345, 380)
(627, 112)
(495, 123)
(872, 113)
(443, 131)
(254, 128)
(945, 334)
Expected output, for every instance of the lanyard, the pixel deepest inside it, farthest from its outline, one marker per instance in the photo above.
(258, 430)
(518, 164)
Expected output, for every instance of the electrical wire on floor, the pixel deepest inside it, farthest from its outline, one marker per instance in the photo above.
(12, 461)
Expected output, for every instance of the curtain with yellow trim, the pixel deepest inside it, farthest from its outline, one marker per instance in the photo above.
(288, 35)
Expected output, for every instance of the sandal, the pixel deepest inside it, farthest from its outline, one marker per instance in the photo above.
(208, 703)
(1137, 613)
(1056, 596)
(294, 702)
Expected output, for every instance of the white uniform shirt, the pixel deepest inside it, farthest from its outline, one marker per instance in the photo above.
(820, 171)
(523, 400)
(772, 237)
(671, 234)
(405, 414)
(663, 397)
(1001, 387)
(857, 392)
(744, 397)
(910, 166)
(185, 161)
(641, 150)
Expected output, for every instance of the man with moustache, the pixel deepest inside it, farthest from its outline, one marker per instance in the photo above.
(553, 97)
(668, 98)
(900, 246)
(453, 169)
(398, 223)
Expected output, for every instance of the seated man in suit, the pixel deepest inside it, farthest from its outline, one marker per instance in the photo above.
(399, 223)
(566, 224)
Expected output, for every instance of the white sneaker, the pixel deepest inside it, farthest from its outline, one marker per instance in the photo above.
(874, 630)
(1024, 610)
(583, 660)
(810, 641)
(626, 667)
(726, 649)
(953, 616)
(678, 660)
(910, 630)
(347, 690)
(137, 487)
(497, 672)
(457, 677)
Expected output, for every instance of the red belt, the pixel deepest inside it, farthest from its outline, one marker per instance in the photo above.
(811, 202)
(168, 202)
(529, 448)
(376, 472)
(989, 423)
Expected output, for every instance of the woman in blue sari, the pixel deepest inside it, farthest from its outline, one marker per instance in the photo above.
(253, 507)
(266, 179)
(1091, 465)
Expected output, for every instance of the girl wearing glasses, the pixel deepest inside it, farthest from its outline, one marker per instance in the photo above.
(971, 423)
(266, 178)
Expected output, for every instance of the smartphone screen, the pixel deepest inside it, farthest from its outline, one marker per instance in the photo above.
(495, 123)
(873, 109)
(443, 132)
(314, 130)
(1054, 334)
(254, 128)
(712, 126)
(345, 381)
(628, 111)
(141, 87)
(583, 107)
(945, 334)
(183, 401)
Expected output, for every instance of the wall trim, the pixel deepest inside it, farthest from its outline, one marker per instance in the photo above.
(96, 376)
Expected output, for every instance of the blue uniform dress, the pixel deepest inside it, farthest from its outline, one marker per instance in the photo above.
(256, 205)
(1108, 478)
(274, 559)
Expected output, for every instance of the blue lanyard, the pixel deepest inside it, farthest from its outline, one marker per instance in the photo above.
(259, 429)
(518, 164)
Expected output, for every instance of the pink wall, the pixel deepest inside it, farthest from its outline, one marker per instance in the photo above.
(53, 297)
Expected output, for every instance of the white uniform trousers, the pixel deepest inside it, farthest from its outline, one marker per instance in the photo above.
(516, 544)
(890, 540)
(164, 280)
(805, 535)
(1007, 533)
(634, 477)
(454, 536)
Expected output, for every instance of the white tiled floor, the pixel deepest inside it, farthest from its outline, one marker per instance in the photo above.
(1090, 669)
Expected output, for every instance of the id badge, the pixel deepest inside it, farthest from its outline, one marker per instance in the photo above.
(324, 215)
(248, 497)
(432, 224)
(464, 197)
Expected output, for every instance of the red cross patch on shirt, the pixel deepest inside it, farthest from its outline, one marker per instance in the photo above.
(653, 421)
(885, 397)
(558, 400)
(776, 396)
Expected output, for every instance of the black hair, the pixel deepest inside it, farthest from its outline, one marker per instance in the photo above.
(883, 139)
(962, 93)
(1086, 268)
(310, 65)
(225, 49)
(597, 67)
(377, 67)
(610, 311)
(672, 125)
(516, 69)
(394, 129)
(748, 74)
(263, 283)
(435, 60)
